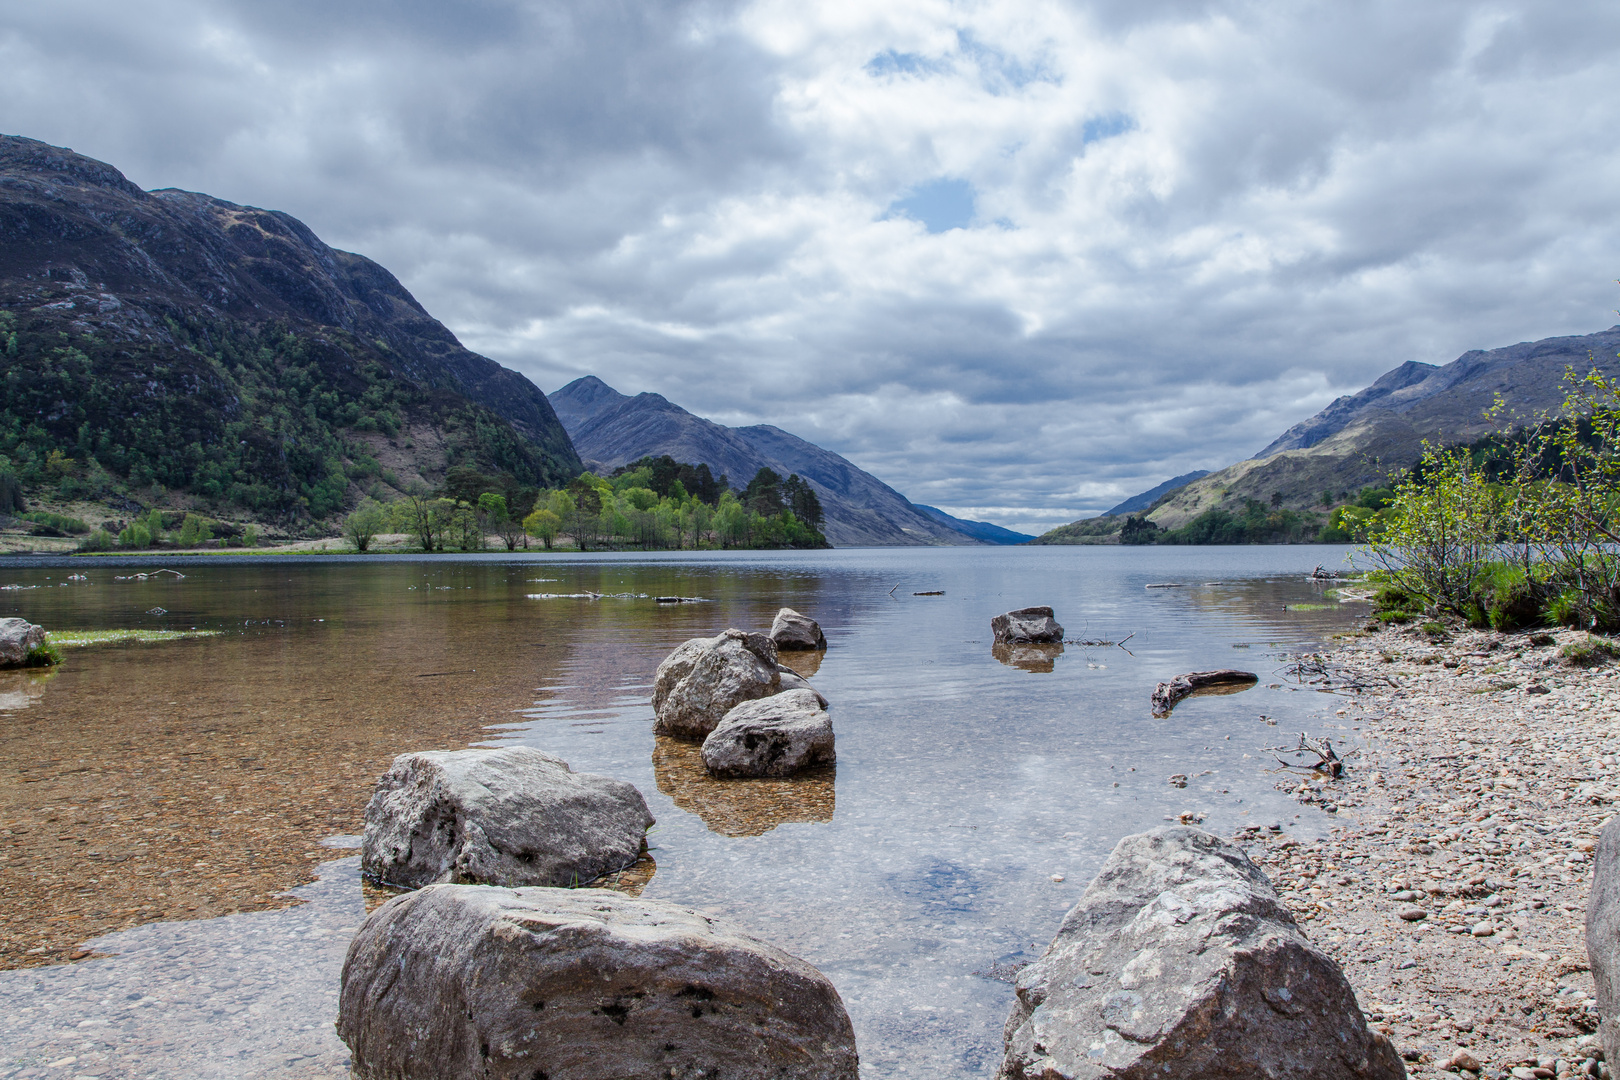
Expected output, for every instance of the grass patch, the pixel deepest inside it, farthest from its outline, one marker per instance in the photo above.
(79, 638)
(1589, 653)
(1313, 607)
(46, 655)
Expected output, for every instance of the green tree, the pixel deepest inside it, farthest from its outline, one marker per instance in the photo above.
(543, 524)
(363, 524)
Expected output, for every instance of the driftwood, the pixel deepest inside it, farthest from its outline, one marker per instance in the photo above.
(1166, 694)
(1327, 762)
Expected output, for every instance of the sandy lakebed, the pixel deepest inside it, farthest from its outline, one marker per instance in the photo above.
(1453, 888)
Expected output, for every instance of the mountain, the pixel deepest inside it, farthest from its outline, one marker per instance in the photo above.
(979, 530)
(611, 429)
(168, 341)
(1151, 495)
(1362, 438)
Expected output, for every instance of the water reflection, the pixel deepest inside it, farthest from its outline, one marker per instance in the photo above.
(805, 661)
(740, 807)
(1028, 657)
(20, 689)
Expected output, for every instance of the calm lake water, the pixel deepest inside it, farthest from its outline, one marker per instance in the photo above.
(973, 798)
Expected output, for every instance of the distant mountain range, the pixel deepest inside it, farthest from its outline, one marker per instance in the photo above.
(979, 530)
(168, 343)
(1365, 437)
(610, 429)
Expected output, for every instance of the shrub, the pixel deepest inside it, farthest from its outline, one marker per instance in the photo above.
(49, 524)
(134, 535)
(46, 655)
(100, 540)
(1589, 653)
(1397, 618)
(250, 536)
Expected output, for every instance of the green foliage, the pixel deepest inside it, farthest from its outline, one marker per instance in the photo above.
(46, 655)
(1255, 524)
(1088, 531)
(11, 492)
(1589, 653)
(261, 418)
(364, 523)
(49, 524)
(250, 536)
(194, 530)
(1139, 530)
(134, 535)
(99, 540)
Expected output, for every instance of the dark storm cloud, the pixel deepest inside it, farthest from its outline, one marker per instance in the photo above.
(1019, 259)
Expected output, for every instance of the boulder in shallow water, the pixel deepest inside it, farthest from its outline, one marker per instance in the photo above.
(705, 678)
(457, 982)
(1603, 936)
(507, 816)
(774, 736)
(1031, 625)
(792, 631)
(19, 637)
(792, 680)
(1178, 962)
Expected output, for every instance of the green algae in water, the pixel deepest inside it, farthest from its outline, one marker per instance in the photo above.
(77, 638)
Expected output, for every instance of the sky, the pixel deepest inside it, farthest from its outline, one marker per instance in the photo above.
(1018, 259)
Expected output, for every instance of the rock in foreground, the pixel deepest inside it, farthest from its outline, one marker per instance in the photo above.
(774, 736)
(705, 678)
(456, 982)
(1031, 625)
(1178, 962)
(19, 637)
(508, 816)
(792, 631)
(1603, 936)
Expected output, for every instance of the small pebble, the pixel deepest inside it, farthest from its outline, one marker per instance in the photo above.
(1413, 914)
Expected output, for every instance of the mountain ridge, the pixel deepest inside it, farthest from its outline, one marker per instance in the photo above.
(611, 429)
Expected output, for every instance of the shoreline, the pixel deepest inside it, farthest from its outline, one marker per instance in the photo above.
(1452, 888)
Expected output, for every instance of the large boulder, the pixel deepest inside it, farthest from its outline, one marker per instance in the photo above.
(508, 816)
(774, 736)
(1179, 961)
(19, 637)
(455, 982)
(792, 680)
(1031, 625)
(705, 678)
(792, 631)
(1603, 936)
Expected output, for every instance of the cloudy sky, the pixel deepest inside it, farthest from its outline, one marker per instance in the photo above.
(1019, 259)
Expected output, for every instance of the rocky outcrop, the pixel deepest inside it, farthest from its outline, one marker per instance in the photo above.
(1026, 626)
(1180, 961)
(1603, 936)
(1225, 681)
(19, 637)
(792, 631)
(774, 736)
(507, 816)
(705, 678)
(457, 982)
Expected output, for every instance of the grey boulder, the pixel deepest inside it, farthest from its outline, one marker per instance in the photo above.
(508, 816)
(1179, 961)
(1027, 626)
(793, 631)
(792, 680)
(18, 637)
(1603, 936)
(705, 678)
(456, 982)
(774, 736)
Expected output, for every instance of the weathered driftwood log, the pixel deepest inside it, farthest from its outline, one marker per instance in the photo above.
(1166, 694)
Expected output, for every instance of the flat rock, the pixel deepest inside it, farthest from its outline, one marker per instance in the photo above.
(456, 981)
(792, 631)
(17, 638)
(1179, 961)
(507, 816)
(1603, 936)
(774, 736)
(1031, 625)
(705, 678)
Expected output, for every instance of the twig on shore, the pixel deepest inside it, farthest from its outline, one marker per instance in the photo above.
(1327, 762)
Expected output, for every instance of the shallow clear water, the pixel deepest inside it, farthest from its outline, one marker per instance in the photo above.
(917, 871)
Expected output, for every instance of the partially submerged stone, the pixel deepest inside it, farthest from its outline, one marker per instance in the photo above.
(1031, 625)
(459, 982)
(1179, 962)
(792, 680)
(507, 816)
(19, 637)
(774, 736)
(792, 631)
(705, 678)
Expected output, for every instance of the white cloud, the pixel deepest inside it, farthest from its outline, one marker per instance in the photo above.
(1191, 224)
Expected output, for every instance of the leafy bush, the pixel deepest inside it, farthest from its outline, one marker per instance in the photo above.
(49, 524)
(134, 535)
(100, 540)
(46, 655)
(195, 530)
(1589, 653)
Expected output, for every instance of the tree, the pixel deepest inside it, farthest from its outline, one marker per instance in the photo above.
(763, 495)
(427, 517)
(498, 519)
(803, 501)
(544, 525)
(465, 527)
(1439, 532)
(1138, 530)
(364, 523)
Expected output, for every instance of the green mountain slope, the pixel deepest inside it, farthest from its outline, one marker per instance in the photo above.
(168, 345)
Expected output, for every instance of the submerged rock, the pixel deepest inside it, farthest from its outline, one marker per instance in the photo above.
(19, 637)
(1031, 625)
(459, 982)
(1177, 962)
(705, 678)
(507, 816)
(792, 680)
(1603, 936)
(774, 736)
(792, 631)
